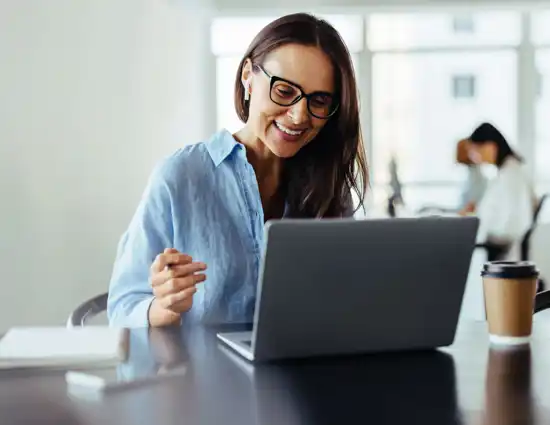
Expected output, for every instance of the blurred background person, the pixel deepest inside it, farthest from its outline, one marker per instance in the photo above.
(475, 183)
(507, 206)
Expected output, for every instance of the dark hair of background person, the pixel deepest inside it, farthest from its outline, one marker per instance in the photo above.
(487, 133)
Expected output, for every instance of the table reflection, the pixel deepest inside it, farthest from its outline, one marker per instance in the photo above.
(154, 351)
(508, 387)
(354, 390)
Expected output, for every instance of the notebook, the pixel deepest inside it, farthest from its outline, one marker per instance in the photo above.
(60, 347)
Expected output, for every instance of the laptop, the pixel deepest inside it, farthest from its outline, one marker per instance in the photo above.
(344, 286)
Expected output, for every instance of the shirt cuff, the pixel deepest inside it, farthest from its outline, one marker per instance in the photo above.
(139, 318)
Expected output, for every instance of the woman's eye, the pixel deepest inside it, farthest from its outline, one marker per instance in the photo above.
(285, 91)
(321, 100)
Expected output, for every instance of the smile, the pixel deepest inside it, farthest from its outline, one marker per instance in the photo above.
(288, 130)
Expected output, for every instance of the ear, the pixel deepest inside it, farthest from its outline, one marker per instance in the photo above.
(246, 75)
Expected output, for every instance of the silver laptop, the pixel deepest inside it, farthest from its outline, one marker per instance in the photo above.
(331, 287)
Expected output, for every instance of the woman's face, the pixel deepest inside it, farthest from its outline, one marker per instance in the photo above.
(485, 153)
(286, 129)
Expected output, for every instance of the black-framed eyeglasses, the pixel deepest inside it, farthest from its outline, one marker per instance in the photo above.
(320, 104)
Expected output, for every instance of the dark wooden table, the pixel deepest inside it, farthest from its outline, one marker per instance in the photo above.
(467, 383)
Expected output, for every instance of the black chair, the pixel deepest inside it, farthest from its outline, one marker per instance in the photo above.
(494, 251)
(87, 310)
(525, 244)
(542, 301)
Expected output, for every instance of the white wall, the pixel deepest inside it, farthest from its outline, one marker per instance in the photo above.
(92, 93)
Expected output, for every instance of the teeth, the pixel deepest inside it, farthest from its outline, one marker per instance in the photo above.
(288, 130)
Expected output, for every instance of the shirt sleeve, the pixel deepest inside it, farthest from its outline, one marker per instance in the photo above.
(506, 212)
(150, 231)
(474, 188)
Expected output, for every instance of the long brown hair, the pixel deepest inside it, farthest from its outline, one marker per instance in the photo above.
(319, 179)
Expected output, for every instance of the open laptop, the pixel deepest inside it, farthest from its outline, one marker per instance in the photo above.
(330, 287)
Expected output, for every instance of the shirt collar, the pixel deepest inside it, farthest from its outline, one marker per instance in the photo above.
(221, 145)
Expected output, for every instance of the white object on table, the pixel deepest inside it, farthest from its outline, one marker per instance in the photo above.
(61, 347)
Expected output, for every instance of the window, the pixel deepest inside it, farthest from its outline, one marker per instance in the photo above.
(464, 86)
(542, 130)
(540, 27)
(231, 36)
(463, 24)
(226, 71)
(408, 31)
(431, 129)
(430, 90)
(541, 38)
(229, 51)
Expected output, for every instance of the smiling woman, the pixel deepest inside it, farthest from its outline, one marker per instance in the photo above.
(299, 153)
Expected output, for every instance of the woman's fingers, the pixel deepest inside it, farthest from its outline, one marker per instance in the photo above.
(169, 259)
(176, 272)
(174, 277)
(178, 284)
(172, 300)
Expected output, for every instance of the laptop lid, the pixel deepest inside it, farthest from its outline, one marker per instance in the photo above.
(349, 286)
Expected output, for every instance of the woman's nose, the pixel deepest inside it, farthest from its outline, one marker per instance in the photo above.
(298, 112)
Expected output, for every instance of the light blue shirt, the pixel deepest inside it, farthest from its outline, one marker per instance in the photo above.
(204, 201)
(474, 186)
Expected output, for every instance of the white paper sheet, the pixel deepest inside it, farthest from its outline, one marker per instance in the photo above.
(62, 347)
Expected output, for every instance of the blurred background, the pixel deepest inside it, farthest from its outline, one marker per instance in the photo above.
(94, 93)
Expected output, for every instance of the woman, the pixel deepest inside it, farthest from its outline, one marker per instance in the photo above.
(299, 154)
(506, 209)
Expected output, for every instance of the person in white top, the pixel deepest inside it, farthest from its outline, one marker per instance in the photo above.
(508, 205)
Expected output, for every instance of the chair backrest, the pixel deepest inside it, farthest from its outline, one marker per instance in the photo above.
(542, 203)
(542, 301)
(87, 310)
(539, 252)
(526, 242)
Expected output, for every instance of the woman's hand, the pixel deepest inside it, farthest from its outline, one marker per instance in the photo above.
(174, 277)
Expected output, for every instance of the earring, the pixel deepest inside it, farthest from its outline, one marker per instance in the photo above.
(246, 94)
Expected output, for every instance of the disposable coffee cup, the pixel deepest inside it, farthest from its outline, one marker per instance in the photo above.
(509, 288)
